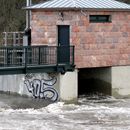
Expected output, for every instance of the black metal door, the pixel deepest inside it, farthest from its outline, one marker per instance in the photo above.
(63, 44)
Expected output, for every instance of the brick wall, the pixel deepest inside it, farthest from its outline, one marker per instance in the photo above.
(96, 44)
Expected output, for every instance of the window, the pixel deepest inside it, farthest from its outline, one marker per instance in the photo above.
(99, 18)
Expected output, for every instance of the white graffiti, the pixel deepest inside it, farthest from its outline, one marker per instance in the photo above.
(43, 88)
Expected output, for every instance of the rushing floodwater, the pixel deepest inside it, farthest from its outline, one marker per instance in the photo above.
(89, 114)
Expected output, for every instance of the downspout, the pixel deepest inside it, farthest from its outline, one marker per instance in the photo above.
(27, 34)
(28, 14)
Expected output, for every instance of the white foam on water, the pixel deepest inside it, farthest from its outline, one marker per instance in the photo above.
(88, 115)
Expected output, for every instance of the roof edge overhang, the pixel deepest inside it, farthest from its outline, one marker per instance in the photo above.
(76, 9)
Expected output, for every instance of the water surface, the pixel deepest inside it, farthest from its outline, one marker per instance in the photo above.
(18, 113)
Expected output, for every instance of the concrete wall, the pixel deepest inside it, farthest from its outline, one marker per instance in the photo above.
(113, 81)
(53, 86)
(31, 85)
(121, 81)
(96, 44)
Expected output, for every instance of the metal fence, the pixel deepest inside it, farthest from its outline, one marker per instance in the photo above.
(12, 39)
(36, 55)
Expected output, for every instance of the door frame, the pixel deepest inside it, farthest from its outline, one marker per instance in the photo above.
(67, 57)
(58, 30)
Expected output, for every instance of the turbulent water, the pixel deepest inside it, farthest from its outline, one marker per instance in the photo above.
(88, 114)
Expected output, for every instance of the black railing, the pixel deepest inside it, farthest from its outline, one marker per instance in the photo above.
(36, 56)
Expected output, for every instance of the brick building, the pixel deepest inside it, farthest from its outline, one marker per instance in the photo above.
(99, 30)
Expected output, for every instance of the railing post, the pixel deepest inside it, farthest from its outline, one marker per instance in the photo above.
(57, 56)
(39, 55)
(14, 38)
(5, 39)
(7, 56)
(73, 56)
(26, 59)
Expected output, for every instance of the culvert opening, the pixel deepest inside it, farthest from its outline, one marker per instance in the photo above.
(94, 81)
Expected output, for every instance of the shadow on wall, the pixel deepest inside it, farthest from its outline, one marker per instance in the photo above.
(94, 86)
(94, 81)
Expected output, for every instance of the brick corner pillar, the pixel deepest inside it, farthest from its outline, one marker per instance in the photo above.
(68, 86)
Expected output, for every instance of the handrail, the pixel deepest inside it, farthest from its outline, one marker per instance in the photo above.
(34, 46)
(36, 55)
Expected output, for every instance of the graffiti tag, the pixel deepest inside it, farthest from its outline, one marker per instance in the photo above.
(43, 88)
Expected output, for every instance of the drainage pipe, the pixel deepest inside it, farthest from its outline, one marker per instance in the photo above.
(28, 14)
(27, 36)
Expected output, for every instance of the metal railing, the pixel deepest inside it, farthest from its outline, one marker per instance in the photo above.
(36, 56)
(12, 39)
